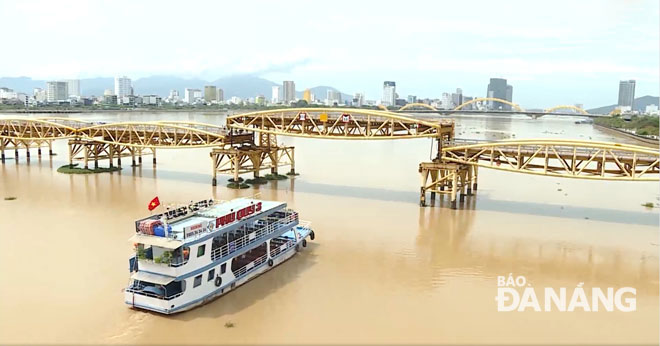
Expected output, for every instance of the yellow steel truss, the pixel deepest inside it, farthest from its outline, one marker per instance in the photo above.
(338, 123)
(561, 158)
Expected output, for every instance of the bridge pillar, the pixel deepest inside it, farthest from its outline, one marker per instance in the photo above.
(474, 177)
(86, 151)
(214, 168)
(153, 150)
(434, 177)
(235, 167)
(454, 184)
(140, 156)
(39, 151)
(16, 154)
(469, 181)
(50, 148)
(293, 162)
(133, 156)
(96, 156)
(422, 190)
(111, 152)
(27, 152)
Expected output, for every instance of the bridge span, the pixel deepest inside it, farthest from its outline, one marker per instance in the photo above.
(248, 144)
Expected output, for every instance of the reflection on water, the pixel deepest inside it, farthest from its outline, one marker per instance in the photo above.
(381, 270)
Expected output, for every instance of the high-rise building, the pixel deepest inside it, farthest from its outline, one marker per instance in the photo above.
(446, 101)
(467, 99)
(191, 95)
(333, 97)
(358, 99)
(389, 93)
(174, 96)
(56, 91)
(73, 86)
(498, 88)
(277, 94)
(457, 97)
(210, 93)
(307, 96)
(289, 91)
(412, 99)
(220, 95)
(123, 87)
(40, 95)
(627, 94)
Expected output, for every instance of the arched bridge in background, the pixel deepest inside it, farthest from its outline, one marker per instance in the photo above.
(575, 108)
(248, 144)
(417, 105)
(494, 99)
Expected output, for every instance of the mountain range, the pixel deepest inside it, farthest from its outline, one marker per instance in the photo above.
(243, 86)
(640, 105)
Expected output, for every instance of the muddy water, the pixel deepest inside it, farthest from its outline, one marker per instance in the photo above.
(381, 270)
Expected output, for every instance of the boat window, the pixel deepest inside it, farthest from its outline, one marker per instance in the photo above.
(198, 280)
(211, 274)
(223, 268)
(200, 250)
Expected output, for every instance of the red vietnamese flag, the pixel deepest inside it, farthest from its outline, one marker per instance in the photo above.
(154, 203)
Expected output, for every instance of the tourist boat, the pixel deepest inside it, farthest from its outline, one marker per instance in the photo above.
(192, 254)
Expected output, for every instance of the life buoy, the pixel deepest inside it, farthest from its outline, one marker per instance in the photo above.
(304, 242)
(270, 262)
(218, 281)
(311, 235)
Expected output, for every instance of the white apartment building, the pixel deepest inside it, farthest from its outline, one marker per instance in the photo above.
(276, 96)
(192, 95)
(389, 93)
(123, 87)
(73, 87)
(56, 91)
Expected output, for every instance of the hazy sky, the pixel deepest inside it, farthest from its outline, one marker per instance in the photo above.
(552, 52)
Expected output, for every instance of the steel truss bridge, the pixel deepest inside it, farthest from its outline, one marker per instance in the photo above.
(248, 144)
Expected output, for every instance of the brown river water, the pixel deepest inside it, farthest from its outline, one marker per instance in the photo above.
(381, 270)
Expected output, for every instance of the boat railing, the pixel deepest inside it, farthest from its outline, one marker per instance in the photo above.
(305, 224)
(253, 237)
(273, 253)
(138, 290)
(174, 263)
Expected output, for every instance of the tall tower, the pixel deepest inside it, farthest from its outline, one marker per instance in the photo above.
(123, 87)
(289, 91)
(389, 93)
(276, 96)
(210, 93)
(498, 88)
(627, 93)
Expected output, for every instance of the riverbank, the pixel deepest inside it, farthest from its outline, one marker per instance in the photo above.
(619, 132)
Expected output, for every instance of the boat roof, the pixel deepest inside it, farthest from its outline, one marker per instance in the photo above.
(205, 219)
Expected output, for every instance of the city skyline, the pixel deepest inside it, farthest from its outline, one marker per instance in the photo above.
(567, 60)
